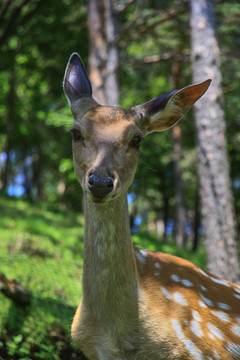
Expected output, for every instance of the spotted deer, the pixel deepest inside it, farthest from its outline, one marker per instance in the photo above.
(138, 304)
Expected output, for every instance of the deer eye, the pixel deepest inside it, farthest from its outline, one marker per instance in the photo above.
(136, 141)
(76, 135)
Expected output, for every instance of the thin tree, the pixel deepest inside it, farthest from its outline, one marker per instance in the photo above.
(180, 210)
(218, 216)
(103, 57)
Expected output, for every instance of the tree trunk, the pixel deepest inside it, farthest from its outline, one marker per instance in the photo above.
(196, 224)
(213, 168)
(111, 80)
(98, 51)
(180, 211)
(103, 57)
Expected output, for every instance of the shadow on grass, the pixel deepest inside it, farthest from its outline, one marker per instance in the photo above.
(29, 334)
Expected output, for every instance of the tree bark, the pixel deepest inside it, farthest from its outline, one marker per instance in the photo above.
(180, 211)
(103, 57)
(196, 224)
(98, 51)
(111, 80)
(213, 168)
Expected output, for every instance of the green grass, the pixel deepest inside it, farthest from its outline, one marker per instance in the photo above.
(42, 249)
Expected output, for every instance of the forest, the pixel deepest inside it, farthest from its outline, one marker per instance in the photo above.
(185, 199)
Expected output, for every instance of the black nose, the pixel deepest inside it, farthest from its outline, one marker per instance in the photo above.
(99, 186)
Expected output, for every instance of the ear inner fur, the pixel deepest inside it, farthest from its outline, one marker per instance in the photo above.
(164, 111)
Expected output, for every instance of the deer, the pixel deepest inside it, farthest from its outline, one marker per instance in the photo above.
(138, 304)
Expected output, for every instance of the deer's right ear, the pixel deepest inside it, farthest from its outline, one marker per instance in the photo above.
(76, 83)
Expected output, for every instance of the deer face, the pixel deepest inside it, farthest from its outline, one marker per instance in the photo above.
(106, 144)
(106, 140)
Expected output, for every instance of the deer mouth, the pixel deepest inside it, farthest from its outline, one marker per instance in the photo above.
(102, 200)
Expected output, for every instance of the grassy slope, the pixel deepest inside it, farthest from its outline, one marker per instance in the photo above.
(43, 250)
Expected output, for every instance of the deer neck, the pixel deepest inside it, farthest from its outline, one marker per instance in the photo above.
(109, 271)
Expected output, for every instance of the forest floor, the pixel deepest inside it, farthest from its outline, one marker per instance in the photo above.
(42, 249)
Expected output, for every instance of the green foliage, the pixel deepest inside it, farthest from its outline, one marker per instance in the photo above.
(35, 112)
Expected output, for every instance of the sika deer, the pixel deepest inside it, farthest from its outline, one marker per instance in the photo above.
(138, 304)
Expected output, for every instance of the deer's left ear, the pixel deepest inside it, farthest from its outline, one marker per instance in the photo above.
(166, 110)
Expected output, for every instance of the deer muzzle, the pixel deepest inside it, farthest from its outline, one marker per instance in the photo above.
(100, 187)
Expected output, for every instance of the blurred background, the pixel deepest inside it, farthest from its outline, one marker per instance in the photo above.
(185, 199)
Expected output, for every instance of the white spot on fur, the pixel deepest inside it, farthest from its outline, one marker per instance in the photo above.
(201, 303)
(203, 272)
(140, 257)
(157, 265)
(203, 288)
(238, 319)
(190, 346)
(166, 293)
(221, 315)
(177, 328)
(207, 301)
(237, 296)
(187, 283)
(175, 278)
(219, 281)
(236, 329)
(196, 328)
(193, 350)
(156, 273)
(143, 252)
(180, 299)
(223, 306)
(196, 316)
(237, 289)
(215, 331)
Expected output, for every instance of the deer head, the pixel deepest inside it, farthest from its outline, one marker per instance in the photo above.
(106, 140)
